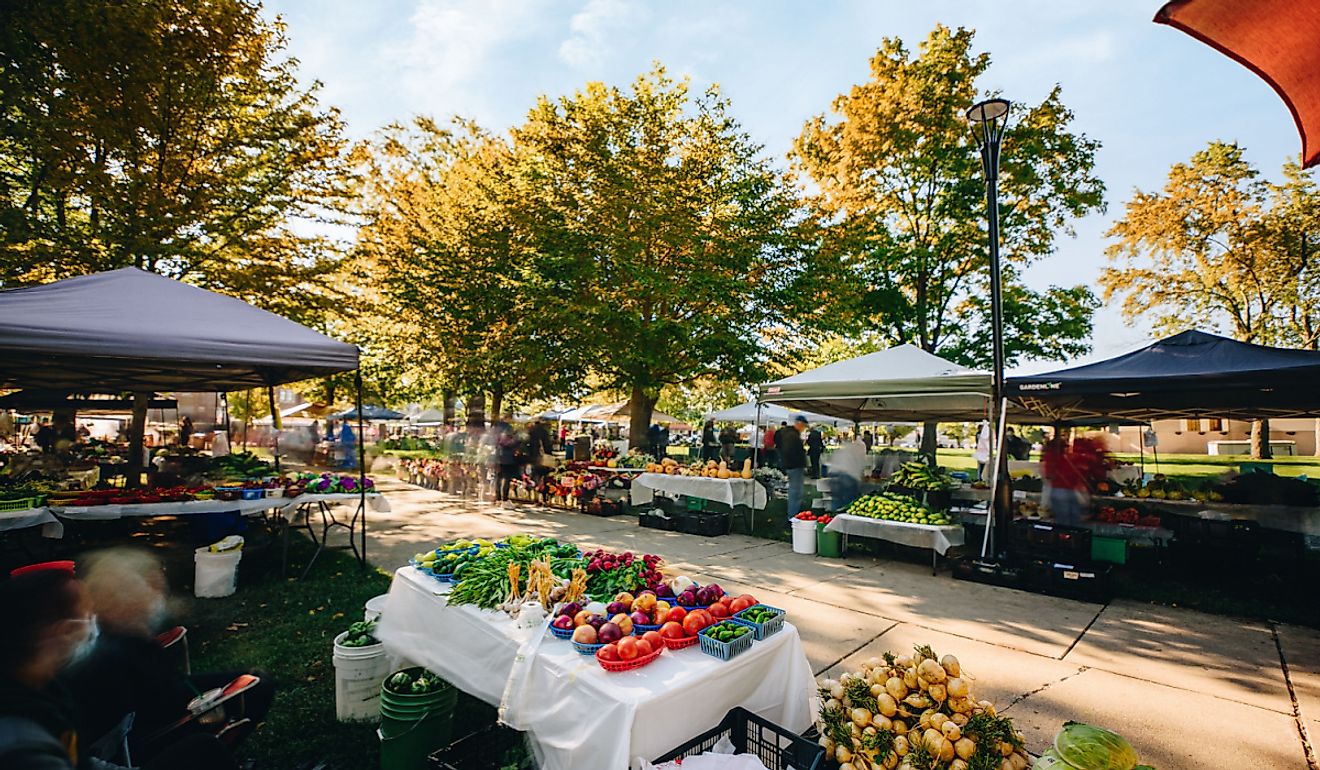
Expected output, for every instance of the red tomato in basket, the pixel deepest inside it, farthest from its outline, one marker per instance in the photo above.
(672, 630)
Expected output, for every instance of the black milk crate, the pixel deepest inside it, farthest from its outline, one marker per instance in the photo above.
(1047, 540)
(777, 748)
(988, 572)
(493, 748)
(654, 519)
(1085, 581)
(603, 506)
(705, 524)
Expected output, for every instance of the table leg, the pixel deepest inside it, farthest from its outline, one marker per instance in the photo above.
(934, 560)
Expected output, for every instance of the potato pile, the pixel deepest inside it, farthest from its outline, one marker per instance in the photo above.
(914, 712)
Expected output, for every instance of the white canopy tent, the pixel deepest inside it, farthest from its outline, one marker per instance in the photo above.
(900, 384)
(770, 413)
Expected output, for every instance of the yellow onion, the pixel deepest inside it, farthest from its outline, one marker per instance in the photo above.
(937, 720)
(950, 665)
(951, 730)
(886, 704)
(910, 678)
(946, 750)
(938, 692)
(861, 717)
(931, 671)
(896, 688)
(883, 722)
(900, 727)
(964, 748)
(900, 745)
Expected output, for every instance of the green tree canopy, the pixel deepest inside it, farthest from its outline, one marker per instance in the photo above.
(895, 193)
(666, 227)
(167, 135)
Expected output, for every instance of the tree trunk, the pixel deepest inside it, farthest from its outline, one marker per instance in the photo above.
(930, 441)
(640, 407)
(448, 397)
(497, 401)
(476, 410)
(136, 431)
(1260, 440)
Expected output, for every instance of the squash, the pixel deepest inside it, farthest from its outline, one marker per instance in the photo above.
(747, 473)
(724, 473)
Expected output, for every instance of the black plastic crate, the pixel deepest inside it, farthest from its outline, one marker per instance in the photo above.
(652, 518)
(1048, 540)
(493, 748)
(1084, 581)
(705, 524)
(603, 506)
(777, 748)
(988, 572)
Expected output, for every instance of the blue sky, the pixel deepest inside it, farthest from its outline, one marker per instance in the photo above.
(1150, 94)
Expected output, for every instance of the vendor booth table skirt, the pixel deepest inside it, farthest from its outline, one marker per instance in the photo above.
(938, 539)
(577, 714)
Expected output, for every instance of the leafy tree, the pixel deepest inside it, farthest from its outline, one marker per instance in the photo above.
(457, 297)
(893, 184)
(167, 135)
(664, 226)
(1221, 248)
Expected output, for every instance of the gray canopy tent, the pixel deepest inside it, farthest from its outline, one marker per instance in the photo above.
(131, 331)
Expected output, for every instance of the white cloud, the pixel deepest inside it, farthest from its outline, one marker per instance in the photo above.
(591, 29)
(453, 44)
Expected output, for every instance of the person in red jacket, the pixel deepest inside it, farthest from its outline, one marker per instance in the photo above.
(1072, 472)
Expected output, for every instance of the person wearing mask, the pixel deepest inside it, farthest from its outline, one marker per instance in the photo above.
(728, 438)
(710, 444)
(815, 447)
(49, 624)
(128, 671)
(793, 458)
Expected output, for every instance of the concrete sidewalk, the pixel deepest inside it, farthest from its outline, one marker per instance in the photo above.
(1189, 690)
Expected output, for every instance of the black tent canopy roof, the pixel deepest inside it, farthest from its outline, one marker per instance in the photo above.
(130, 330)
(1188, 375)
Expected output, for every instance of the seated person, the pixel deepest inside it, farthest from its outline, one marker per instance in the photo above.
(128, 671)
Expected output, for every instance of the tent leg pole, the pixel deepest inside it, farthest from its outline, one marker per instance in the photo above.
(362, 468)
(274, 425)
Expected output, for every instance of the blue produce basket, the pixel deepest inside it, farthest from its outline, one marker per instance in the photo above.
(724, 650)
(586, 649)
(762, 630)
(639, 628)
(561, 633)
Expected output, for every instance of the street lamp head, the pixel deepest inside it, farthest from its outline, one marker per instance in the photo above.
(988, 111)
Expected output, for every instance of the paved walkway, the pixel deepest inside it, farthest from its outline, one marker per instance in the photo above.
(1189, 690)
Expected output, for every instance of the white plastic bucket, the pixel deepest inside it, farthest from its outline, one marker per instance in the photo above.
(216, 574)
(374, 607)
(358, 674)
(804, 537)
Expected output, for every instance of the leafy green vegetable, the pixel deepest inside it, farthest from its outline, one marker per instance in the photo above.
(1087, 747)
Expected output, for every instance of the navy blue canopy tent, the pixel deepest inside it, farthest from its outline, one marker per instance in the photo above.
(1188, 375)
(371, 412)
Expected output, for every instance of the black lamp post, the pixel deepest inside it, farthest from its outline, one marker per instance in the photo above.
(989, 119)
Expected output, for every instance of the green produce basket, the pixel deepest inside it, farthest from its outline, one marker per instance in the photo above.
(20, 504)
(1111, 549)
(828, 544)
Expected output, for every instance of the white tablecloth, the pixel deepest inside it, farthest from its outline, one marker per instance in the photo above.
(189, 507)
(940, 539)
(32, 517)
(376, 501)
(579, 715)
(732, 492)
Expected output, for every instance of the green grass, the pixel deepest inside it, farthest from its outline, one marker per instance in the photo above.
(1191, 469)
(287, 628)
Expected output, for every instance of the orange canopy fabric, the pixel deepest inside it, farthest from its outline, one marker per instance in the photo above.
(1279, 40)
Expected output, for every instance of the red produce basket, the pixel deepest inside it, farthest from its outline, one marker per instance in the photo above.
(628, 665)
(678, 644)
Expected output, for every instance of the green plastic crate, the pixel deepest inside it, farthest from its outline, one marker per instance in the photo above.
(1109, 549)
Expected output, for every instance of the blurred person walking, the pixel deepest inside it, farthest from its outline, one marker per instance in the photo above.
(793, 458)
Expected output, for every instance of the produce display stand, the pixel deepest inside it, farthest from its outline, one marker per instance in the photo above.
(739, 493)
(938, 539)
(186, 508)
(576, 714)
